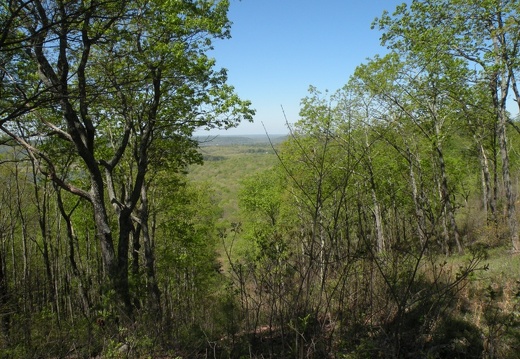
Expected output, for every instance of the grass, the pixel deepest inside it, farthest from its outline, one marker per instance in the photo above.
(502, 262)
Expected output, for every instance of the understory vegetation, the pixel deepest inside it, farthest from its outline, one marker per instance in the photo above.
(384, 225)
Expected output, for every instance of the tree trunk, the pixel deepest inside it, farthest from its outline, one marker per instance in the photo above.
(419, 213)
(510, 196)
(122, 285)
(380, 237)
(488, 199)
(499, 86)
(104, 234)
(446, 199)
(41, 206)
(72, 240)
(149, 258)
(4, 296)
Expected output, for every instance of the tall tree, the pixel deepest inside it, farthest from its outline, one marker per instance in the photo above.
(483, 34)
(419, 94)
(107, 79)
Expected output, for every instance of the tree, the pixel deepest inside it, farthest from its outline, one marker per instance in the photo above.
(484, 35)
(418, 95)
(336, 250)
(106, 80)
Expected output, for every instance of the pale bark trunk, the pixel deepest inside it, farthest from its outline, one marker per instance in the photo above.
(380, 237)
(421, 222)
(446, 199)
(149, 257)
(510, 196)
(488, 199)
(499, 86)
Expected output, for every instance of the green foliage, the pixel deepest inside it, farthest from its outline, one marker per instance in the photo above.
(234, 163)
(340, 240)
(104, 98)
(187, 237)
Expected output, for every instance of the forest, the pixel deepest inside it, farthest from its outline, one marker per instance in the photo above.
(384, 225)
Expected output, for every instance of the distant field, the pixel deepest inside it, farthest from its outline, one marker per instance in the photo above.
(246, 140)
(229, 159)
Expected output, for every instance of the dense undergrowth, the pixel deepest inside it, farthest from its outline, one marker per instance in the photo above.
(474, 316)
(264, 289)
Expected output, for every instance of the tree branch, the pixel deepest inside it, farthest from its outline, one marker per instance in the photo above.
(35, 153)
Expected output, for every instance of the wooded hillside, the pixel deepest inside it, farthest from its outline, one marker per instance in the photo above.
(384, 225)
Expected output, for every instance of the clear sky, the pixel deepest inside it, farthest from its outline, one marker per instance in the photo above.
(281, 47)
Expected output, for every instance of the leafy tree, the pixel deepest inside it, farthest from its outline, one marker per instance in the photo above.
(483, 35)
(107, 80)
(183, 226)
(421, 96)
(349, 255)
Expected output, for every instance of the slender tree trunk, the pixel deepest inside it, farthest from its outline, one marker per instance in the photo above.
(41, 201)
(445, 243)
(419, 212)
(72, 242)
(23, 223)
(488, 199)
(149, 257)
(510, 196)
(4, 295)
(380, 238)
(125, 230)
(446, 199)
(4, 230)
(485, 191)
(494, 163)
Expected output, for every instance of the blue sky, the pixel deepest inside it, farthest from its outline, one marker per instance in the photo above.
(281, 47)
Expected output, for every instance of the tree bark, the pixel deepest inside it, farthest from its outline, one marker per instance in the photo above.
(125, 230)
(380, 236)
(4, 296)
(446, 200)
(500, 81)
(419, 212)
(149, 258)
(488, 199)
(104, 232)
(510, 196)
(501, 113)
